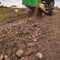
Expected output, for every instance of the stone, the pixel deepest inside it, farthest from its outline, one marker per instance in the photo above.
(35, 40)
(39, 55)
(19, 53)
(6, 57)
(1, 57)
(16, 10)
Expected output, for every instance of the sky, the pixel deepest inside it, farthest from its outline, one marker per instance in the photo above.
(18, 3)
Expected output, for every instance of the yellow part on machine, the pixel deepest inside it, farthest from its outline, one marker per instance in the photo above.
(42, 6)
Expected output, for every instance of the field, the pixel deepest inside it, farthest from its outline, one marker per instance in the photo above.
(22, 38)
(8, 13)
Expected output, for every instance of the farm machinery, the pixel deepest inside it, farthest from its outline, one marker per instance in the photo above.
(45, 6)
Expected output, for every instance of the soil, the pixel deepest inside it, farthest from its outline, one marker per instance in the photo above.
(32, 36)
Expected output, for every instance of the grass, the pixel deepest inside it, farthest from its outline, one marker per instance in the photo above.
(7, 13)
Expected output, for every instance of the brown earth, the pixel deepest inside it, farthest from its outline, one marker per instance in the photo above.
(32, 36)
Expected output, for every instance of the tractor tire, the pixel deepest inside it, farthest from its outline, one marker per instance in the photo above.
(50, 8)
(31, 11)
(39, 12)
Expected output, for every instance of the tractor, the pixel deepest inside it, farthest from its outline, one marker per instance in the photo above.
(42, 6)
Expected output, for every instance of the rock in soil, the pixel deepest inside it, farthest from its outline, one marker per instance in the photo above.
(19, 53)
(1, 57)
(39, 55)
(6, 57)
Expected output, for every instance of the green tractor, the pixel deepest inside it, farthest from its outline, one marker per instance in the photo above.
(47, 6)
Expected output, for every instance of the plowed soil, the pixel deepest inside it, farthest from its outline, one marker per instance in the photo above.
(32, 36)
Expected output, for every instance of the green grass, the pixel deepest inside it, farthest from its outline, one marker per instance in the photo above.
(7, 13)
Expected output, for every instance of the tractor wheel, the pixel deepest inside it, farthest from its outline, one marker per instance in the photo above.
(50, 12)
(50, 8)
(39, 12)
(32, 11)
